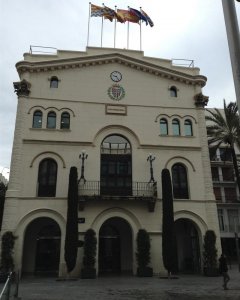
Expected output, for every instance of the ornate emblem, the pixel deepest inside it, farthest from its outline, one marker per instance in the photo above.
(22, 88)
(116, 92)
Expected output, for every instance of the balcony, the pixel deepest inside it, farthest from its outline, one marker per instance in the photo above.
(230, 229)
(140, 192)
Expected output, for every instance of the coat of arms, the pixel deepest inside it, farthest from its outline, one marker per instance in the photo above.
(116, 92)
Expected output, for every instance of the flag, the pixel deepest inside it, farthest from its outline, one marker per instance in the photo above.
(148, 18)
(108, 13)
(119, 18)
(138, 14)
(96, 11)
(126, 15)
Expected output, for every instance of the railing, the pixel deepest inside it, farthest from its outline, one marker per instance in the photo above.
(137, 189)
(221, 178)
(228, 199)
(230, 229)
(183, 62)
(10, 288)
(42, 50)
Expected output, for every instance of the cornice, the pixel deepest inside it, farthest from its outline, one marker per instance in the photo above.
(88, 61)
(90, 144)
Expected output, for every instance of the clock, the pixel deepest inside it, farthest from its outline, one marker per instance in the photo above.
(116, 76)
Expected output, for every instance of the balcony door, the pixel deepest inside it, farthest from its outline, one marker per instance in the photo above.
(116, 166)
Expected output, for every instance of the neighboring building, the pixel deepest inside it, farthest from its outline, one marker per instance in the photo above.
(3, 179)
(118, 106)
(227, 197)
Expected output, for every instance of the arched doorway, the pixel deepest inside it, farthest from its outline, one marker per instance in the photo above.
(41, 251)
(187, 246)
(116, 166)
(115, 254)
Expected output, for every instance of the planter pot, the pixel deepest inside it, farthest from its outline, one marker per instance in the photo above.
(211, 272)
(88, 273)
(145, 272)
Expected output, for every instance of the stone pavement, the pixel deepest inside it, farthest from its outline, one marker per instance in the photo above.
(131, 288)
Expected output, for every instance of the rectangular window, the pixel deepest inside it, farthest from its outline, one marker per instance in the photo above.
(221, 219)
(225, 154)
(228, 174)
(215, 175)
(230, 194)
(233, 220)
(217, 193)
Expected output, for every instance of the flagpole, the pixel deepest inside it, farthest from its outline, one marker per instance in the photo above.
(88, 23)
(102, 28)
(115, 27)
(128, 33)
(140, 33)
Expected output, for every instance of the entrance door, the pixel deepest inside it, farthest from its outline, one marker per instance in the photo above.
(115, 247)
(41, 252)
(47, 255)
(187, 246)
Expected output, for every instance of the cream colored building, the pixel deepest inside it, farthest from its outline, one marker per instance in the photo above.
(118, 106)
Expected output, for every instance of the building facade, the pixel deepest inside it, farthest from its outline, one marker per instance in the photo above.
(129, 117)
(228, 201)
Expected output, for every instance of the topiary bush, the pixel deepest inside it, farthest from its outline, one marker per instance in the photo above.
(210, 254)
(89, 255)
(7, 264)
(143, 254)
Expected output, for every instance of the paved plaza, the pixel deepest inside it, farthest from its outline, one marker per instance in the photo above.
(131, 288)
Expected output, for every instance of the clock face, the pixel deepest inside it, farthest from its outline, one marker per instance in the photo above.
(116, 76)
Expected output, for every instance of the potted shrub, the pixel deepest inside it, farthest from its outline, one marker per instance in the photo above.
(89, 255)
(210, 254)
(143, 254)
(7, 264)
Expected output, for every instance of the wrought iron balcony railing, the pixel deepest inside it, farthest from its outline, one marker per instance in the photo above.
(96, 190)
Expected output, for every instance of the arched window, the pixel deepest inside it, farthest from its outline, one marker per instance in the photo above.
(47, 178)
(163, 127)
(51, 120)
(37, 119)
(176, 127)
(188, 128)
(54, 82)
(65, 120)
(173, 91)
(179, 181)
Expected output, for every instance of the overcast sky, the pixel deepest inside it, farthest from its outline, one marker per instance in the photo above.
(186, 29)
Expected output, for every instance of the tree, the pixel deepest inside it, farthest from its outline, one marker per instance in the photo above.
(169, 249)
(224, 129)
(3, 189)
(143, 253)
(89, 256)
(8, 240)
(210, 253)
(71, 240)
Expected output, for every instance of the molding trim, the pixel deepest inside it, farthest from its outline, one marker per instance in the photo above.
(48, 152)
(88, 61)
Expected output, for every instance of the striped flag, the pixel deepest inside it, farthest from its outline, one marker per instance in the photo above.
(138, 14)
(148, 18)
(128, 16)
(96, 11)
